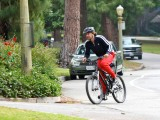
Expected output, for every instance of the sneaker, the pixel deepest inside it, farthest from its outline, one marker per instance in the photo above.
(113, 85)
(104, 97)
(112, 81)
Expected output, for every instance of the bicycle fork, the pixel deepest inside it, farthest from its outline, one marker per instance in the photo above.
(95, 81)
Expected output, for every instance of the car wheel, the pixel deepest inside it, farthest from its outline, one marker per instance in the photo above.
(140, 57)
(81, 76)
(72, 77)
(120, 73)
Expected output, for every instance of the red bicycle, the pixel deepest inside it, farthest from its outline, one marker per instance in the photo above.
(94, 87)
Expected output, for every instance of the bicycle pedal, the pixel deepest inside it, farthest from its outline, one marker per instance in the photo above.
(111, 91)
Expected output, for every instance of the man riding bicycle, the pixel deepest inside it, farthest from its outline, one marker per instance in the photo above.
(102, 48)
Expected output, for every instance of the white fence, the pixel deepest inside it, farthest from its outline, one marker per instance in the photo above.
(147, 39)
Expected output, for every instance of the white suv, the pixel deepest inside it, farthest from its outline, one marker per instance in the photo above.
(131, 48)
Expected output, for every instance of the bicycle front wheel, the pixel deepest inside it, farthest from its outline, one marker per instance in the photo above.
(94, 90)
(119, 90)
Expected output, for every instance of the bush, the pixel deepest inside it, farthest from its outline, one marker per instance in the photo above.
(13, 84)
(41, 83)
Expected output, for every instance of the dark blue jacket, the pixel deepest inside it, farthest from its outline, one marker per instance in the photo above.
(100, 47)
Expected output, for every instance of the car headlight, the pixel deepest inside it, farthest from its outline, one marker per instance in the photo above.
(75, 63)
(138, 49)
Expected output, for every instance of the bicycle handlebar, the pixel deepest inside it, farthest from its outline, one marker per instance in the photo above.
(89, 60)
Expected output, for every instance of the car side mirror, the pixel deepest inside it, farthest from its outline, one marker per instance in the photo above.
(71, 55)
(118, 52)
(140, 43)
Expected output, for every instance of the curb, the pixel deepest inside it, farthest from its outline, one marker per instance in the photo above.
(64, 78)
(33, 100)
(60, 99)
(65, 99)
(136, 69)
(139, 68)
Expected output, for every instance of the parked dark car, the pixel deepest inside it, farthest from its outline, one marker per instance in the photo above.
(77, 67)
(131, 48)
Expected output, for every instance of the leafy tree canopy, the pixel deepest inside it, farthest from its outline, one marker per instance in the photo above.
(132, 10)
(10, 12)
(55, 16)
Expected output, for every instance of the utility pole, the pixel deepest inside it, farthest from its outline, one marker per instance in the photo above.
(120, 10)
(25, 38)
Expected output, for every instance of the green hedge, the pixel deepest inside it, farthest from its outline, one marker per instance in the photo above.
(37, 85)
(41, 83)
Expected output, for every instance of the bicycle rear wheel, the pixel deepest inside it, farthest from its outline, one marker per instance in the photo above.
(119, 90)
(94, 90)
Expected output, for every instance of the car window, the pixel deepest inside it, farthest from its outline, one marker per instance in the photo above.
(129, 41)
(81, 50)
(114, 48)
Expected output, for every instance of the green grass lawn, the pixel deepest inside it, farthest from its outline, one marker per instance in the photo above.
(151, 48)
(62, 72)
(17, 114)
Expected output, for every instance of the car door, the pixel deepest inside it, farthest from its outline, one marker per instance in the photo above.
(118, 60)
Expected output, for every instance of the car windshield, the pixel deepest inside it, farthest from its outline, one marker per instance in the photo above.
(81, 50)
(129, 41)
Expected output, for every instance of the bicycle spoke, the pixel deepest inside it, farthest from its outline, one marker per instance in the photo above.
(93, 89)
(119, 91)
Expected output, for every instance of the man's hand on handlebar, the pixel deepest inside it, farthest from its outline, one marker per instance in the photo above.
(105, 55)
(84, 59)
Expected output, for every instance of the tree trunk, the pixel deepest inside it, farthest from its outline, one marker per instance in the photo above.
(83, 16)
(71, 30)
(109, 30)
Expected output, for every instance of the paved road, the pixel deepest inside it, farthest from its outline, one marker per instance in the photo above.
(151, 61)
(142, 96)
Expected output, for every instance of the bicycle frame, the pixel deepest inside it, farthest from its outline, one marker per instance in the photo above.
(106, 79)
